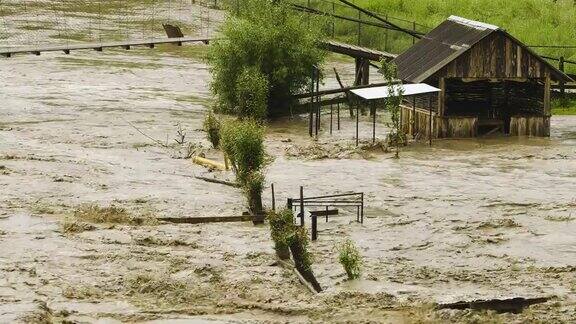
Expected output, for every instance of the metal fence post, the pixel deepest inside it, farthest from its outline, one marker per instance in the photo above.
(301, 206)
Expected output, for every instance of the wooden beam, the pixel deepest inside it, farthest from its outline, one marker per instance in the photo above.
(547, 84)
(441, 97)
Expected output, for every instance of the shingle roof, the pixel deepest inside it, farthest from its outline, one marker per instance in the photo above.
(444, 44)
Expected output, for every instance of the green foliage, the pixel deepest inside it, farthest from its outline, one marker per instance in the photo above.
(243, 142)
(300, 240)
(252, 94)
(534, 22)
(564, 106)
(282, 230)
(350, 259)
(253, 187)
(268, 37)
(396, 135)
(212, 128)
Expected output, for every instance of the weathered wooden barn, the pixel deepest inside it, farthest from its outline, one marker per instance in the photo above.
(490, 83)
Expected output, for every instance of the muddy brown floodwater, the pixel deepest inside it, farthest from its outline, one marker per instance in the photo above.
(462, 220)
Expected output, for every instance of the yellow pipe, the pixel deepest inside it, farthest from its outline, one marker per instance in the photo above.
(209, 163)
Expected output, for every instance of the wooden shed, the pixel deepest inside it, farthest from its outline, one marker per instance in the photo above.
(490, 83)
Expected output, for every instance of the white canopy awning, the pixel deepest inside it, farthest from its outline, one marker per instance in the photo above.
(382, 92)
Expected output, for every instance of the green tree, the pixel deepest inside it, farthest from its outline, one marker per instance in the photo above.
(271, 38)
(396, 136)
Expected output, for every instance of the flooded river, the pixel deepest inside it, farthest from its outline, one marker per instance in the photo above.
(461, 220)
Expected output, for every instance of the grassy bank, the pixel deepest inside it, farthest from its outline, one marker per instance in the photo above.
(564, 106)
(534, 22)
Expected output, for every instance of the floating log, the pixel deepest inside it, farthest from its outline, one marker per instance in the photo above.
(209, 163)
(223, 182)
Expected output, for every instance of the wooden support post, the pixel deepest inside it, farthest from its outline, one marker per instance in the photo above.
(301, 206)
(413, 117)
(314, 227)
(273, 198)
(441, 97)
(357, 71)
(289, 203)
(365, 72)
(547, 84)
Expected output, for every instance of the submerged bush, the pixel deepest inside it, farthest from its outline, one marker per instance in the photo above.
(212, 128)
(253, 187)
(243, 143)
(281, 229)
(270, 38)
(111, 215)
(350, 259)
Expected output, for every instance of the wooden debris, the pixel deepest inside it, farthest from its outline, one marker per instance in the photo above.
(223, 182)
(205, 220)
(510, 305)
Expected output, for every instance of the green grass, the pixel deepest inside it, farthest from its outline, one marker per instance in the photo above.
(534, 22)
(564, 107)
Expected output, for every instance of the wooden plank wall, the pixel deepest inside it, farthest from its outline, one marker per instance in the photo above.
(530, 126)
(457, 127)
(496, 56)
(416, 122)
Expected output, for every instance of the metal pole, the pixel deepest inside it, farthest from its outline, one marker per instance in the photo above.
(561, 67)
(413, 117)
(273, 199)
(338, 115)
(301, 206)
(319, 104)
(430, 117)
(362, 210)
(311, 105)
(357, 121)
(373, 123)
(331, 112)
(314, 228)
